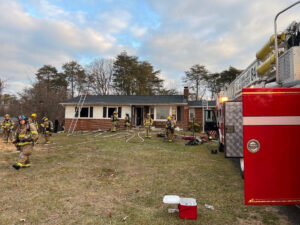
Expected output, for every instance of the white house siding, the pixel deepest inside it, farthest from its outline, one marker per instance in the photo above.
(126, 109)
(98, 111)
(69, 112)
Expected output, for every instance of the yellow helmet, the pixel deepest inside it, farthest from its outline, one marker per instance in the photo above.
(33, 115)
(169, 117)
(44, 118)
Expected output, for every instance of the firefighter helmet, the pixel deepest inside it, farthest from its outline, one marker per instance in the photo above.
(169, 117)
(33, 115)
(44, 118)
(22, 117)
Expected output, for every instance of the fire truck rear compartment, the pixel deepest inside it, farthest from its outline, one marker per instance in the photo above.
(233, 130)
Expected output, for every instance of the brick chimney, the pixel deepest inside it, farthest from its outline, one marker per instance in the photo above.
(186, 93)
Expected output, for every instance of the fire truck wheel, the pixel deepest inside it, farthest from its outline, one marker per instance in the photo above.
(242, 167)
(221, 147)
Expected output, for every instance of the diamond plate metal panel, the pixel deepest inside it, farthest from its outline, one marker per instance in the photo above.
(233, 129)
(289, 65)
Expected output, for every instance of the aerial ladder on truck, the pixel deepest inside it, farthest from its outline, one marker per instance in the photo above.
(258, 119)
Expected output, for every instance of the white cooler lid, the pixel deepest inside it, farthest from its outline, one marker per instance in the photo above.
(188, 201)
(171, 199)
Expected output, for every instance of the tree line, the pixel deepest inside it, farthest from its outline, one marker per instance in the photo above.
(124, 75)
(201, 81)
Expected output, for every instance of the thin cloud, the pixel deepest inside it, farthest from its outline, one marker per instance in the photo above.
(171, 35)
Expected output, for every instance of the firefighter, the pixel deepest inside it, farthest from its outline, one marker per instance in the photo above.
(114, 121)
(148, 124)
(33, 117)
(47, 127)
(127, 122)
(7, 126)
(32, 123)
(170, 128)
(24, 138)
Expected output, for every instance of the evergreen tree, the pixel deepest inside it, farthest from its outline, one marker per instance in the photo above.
(132, 77)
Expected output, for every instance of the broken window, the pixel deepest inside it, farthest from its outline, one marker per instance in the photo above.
(84, 112)
(111, 111)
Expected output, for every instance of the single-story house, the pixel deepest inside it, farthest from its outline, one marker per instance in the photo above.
(97, 110)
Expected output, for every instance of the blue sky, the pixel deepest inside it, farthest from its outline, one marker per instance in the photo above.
(171, 35)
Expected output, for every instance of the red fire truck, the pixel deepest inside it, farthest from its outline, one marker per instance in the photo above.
(258, 117)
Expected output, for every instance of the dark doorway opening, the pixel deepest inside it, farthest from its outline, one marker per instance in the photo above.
(139, 116)
(111, 112)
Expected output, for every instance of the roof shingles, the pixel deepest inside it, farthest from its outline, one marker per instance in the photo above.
(129, 99)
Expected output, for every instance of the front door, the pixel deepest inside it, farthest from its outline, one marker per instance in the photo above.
(271, 129)
(139, 116)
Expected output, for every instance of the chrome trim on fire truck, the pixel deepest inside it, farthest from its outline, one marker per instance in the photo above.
(271, 120)
(253, 146)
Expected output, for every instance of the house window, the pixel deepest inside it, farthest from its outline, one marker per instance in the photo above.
(192, 114)
(149, 110)
(174, 112)
(111, 111)
(162, 113)
(209, 116)
(108, 112)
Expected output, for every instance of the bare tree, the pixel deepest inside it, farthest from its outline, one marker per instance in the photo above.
(2, 86)
(100, 74)
(195, 79)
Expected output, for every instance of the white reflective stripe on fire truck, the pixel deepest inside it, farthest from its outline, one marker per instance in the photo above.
(271, 120)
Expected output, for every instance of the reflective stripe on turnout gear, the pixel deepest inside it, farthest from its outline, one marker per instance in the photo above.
(24, 143)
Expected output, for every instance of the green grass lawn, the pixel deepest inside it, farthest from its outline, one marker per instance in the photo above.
(106, 179)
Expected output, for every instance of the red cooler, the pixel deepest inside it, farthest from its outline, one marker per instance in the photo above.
(187, 208)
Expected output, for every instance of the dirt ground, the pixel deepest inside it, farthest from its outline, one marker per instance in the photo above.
(103, 179)
(7, 147)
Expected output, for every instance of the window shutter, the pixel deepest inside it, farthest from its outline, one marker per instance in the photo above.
(76, 111)
(91, 112)
(104, 112)
(147, 109)
(119, 112)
